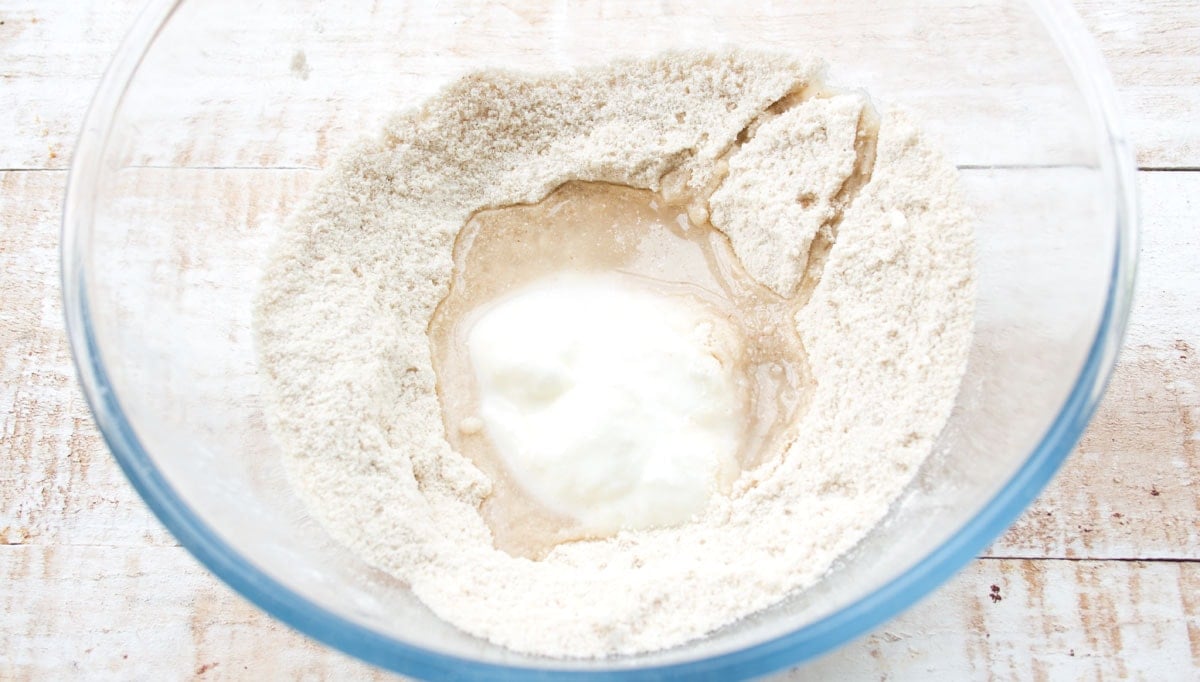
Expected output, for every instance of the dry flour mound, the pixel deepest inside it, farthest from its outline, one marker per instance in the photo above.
(810, 196)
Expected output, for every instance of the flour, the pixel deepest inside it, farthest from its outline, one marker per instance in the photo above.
(871, 232)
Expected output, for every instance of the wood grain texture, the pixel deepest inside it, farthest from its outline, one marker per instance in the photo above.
(95, 612)
(1015, 619)
(60, 486)
(51, 57)
(1153, 52)
(1100, 578)
(998, 619)
(75, 533)
(1132, 487)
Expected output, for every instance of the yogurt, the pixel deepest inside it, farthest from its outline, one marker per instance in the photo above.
(615, 405)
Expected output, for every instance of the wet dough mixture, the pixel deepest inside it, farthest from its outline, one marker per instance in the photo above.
(831, 237)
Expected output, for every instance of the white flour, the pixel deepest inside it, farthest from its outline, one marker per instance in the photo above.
(347, 297)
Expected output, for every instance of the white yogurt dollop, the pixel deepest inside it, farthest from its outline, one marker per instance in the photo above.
(620, 407)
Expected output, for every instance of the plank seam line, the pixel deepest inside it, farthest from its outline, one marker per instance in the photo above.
(965, 166)
(59, 545)
(1166, 560)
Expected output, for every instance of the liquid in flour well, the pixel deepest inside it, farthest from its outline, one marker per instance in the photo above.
(631, 234)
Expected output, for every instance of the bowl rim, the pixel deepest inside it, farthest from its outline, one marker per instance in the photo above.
(1091, 76)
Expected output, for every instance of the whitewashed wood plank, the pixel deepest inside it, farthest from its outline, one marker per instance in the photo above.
(51, 58)
(142, 613)
(346, 82)
(216, 92)
(1165, 311)
(122, 613)
(1132, 488)
(1153, 51)
(65, 488)
(58, 483)
(1038, 620)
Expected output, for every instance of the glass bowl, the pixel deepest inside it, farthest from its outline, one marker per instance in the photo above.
(216, 115)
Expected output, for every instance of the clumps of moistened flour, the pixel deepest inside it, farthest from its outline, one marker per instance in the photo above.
(816, 192)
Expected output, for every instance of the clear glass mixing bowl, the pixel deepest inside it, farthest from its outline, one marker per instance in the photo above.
(216, 115)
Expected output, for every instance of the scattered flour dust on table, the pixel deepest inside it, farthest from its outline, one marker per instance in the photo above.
(870, 216)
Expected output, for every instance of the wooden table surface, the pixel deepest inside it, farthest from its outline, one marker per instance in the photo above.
(1099, 579)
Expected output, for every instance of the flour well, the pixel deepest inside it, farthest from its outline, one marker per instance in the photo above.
(628, 237)
(853, 214)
